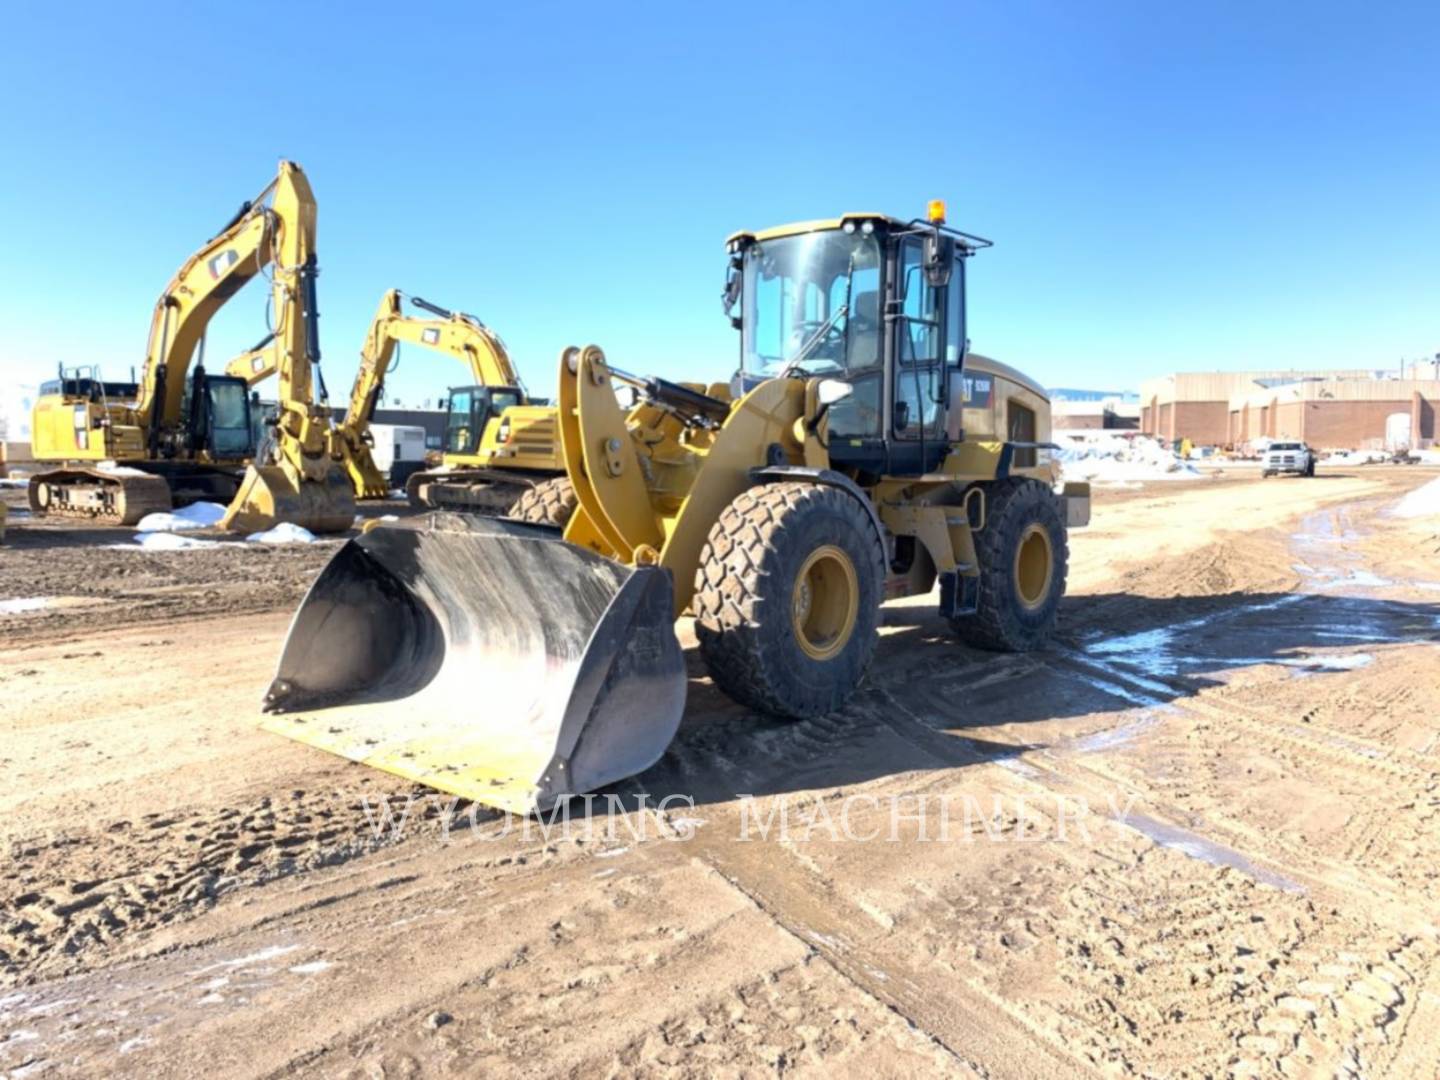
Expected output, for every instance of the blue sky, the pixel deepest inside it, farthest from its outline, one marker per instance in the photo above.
(1170, 186)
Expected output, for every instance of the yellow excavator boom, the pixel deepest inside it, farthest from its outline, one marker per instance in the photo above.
(307, 486)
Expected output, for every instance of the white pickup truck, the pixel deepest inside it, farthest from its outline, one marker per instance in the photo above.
(1288, 457)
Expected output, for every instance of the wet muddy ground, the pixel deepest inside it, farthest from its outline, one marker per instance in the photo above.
(1198, 836)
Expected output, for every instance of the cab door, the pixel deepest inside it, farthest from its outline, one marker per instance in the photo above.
(925, 340)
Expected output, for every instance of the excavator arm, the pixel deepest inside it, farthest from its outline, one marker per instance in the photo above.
(307, 486)
(202, 285)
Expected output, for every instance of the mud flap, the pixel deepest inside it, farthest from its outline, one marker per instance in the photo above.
(486, 658)
(271, 494)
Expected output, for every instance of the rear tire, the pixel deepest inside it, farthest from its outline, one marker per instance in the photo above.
(1024, 557)
(550, 502)
(787, 598)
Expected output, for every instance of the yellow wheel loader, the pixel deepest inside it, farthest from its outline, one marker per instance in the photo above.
(118, 450)
(859, 454)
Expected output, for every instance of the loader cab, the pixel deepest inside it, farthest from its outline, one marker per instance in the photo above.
(470, 409)
(872, 301)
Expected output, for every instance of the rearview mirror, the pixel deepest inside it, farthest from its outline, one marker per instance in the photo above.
(939, 257)
(731, 294)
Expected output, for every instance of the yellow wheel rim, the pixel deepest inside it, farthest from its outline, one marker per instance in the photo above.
(825, 602)
(1034, 565)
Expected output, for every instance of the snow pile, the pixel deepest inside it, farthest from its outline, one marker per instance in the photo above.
(15, 607)
(284, 533)
(1422, 502)
(169, 541)
(1426, 457)
(1358, 457)
(200, 515)
(1111, 459)
(116, 469)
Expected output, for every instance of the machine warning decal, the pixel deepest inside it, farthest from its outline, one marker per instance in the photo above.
(977, 391)
(218, 264)
(430, 335)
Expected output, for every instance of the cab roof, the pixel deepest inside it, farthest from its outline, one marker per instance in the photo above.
(819, 225)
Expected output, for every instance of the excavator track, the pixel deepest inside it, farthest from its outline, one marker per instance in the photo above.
(98, 495)
(489, 492)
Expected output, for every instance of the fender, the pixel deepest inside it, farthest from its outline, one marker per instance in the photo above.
(829, 477)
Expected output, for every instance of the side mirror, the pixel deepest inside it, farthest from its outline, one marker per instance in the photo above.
(902, 415)
(939, 258)
(730, 296)
(832, 390)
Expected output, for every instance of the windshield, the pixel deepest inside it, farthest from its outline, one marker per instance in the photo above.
(812, 303)
(230, 434)
(470, 408)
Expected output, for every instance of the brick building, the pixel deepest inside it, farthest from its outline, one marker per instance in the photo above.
(1339, 414)
(1109, 414)
(1196, 405)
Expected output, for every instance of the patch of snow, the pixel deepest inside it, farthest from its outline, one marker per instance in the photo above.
(1422, 502)
(167, 541)
(1358, 457)
(396, 493)
(270, 952)
(115, 469)
(312, 968)
(14, 481)
(284, 533)
(200, 515)
(1106, 458)
(15, 607)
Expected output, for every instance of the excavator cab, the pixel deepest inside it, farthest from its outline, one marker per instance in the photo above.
(470, 409)
(217, 408)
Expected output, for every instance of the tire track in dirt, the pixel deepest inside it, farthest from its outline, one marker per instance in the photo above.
(70, 898)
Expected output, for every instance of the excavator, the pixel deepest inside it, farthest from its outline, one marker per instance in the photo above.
(861, 453)
(121, 449)
(498, 444)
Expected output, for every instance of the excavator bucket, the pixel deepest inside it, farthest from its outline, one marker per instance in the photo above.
(483, 657)
(271, 494)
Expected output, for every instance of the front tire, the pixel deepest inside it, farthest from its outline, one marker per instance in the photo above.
(1024, 557)
(787, 598)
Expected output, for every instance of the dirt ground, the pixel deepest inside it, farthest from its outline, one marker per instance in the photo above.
(1197, 837)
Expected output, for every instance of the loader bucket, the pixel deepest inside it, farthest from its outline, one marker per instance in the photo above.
(483, 657)
(271, 494)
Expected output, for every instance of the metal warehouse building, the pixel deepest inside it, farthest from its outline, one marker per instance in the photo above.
(1330, 409)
